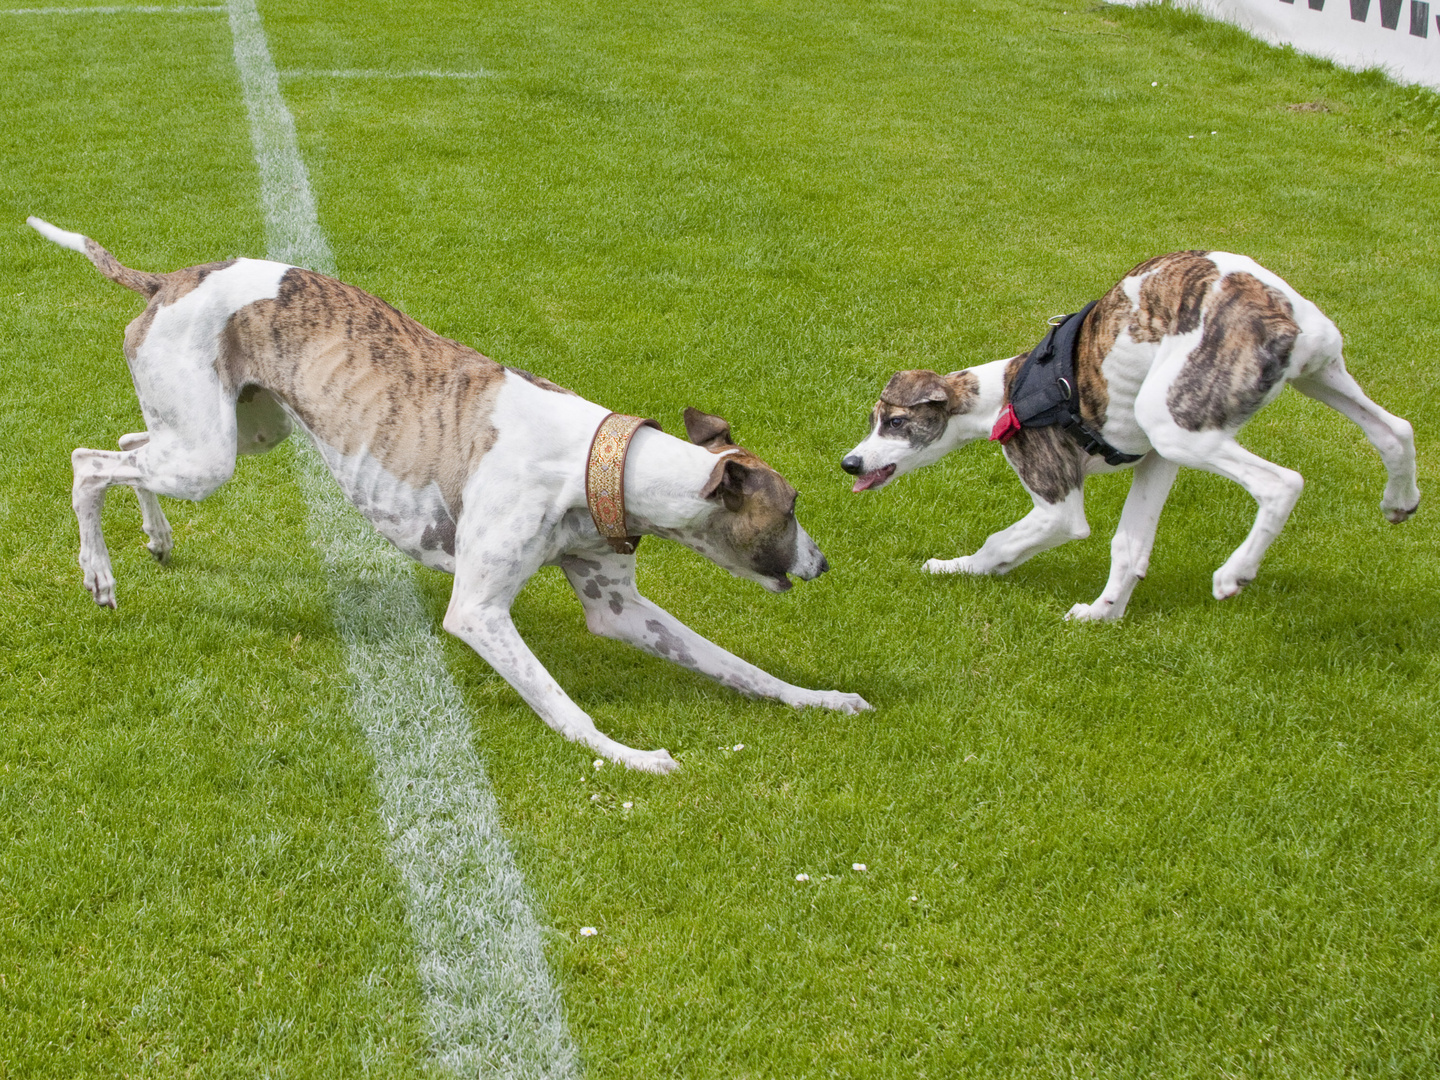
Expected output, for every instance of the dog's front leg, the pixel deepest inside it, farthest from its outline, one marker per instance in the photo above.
(487, 579)
(1048, 525)
(615, 609)
(1134, 539)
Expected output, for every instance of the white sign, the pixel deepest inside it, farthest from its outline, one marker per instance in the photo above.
(1401, 36)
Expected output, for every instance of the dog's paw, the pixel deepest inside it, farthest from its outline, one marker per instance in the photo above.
(658, 762)
(100, 583)
(834, 700)
(1100, 611)
(963, 565)
(1229, 583)
(844, 703)
(1395, 514)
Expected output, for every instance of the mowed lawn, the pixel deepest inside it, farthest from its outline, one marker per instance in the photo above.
(1202, 842)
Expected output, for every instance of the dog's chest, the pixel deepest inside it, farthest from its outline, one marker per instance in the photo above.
(417, 520)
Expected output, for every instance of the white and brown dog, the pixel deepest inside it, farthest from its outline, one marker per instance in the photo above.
(466, 466)
(1168, 364)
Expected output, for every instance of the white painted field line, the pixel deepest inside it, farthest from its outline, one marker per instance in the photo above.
(491, 1006)
(370, 73)
(180, 9)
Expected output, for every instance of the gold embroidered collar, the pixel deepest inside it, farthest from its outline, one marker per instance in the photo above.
(605, 478)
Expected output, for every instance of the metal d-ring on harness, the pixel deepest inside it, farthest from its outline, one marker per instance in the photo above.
(1044, 392)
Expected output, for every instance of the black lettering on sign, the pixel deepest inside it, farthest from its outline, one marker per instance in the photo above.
(1359, 9)
(1390, 13)
(1317, 5)
(1419, 18)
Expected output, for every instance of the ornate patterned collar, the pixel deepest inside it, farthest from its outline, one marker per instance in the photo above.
(605, 478)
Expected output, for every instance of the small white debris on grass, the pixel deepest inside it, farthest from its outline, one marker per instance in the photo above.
(914, 899)
(598, 763)
(595, 798)
(1154, 84)
(738, 747)
(802, 877)
(588, 931)
(859, 866)
(627, 805)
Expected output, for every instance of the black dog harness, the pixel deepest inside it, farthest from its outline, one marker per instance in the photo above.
(1044, 392)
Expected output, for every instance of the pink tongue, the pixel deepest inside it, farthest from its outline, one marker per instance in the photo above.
(870, 479)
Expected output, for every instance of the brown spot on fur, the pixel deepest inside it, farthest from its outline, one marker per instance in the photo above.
(363, 376)
(1249, 331)
(916, 405)
(1048, 461)
(964, 390)
(1171, 295)
(759, 518)
(707, 430)
(907, 389)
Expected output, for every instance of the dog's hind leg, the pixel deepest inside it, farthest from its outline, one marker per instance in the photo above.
(615, 609)
(154, 466)
(1389, 434)
(1134, 539)
(1273, 487)
(1049, 525)
(152, 518)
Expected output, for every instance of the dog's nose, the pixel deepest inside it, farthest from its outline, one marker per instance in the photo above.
(824, 565)
(853, 464)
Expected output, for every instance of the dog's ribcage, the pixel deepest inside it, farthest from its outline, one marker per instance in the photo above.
(399, 413)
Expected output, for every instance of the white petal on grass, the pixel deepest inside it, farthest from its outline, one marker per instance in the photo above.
(802, 877)
(859, 866)
(588, 931)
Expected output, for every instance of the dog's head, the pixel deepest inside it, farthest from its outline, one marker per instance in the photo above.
(752, 530)
(913, 424)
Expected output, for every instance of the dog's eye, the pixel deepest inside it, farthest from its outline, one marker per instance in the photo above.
(897, 421)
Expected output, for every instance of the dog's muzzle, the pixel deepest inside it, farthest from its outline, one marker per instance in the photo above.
(854, 464)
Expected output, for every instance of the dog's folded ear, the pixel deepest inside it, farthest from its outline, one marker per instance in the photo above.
(910, 389)
(964, 391)
(711, 432)
(728, 481)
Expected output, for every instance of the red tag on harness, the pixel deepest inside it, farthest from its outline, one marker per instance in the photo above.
(1006, 426)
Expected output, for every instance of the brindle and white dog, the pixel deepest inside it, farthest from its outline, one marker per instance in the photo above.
(466, 466)
(1170, 364)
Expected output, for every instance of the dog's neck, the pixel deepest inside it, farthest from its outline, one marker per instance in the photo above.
(977, 421)
(663, 480)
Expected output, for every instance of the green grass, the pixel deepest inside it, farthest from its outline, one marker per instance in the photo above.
(1200, 843)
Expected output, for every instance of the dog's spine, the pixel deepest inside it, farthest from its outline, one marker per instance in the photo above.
(135, 280)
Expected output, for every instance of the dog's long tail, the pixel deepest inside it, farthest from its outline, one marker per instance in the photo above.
(139, 281)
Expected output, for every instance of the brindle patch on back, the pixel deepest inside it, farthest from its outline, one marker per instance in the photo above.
(1172, 294)
(364, 376)
(1094, 342)
(1249, 332)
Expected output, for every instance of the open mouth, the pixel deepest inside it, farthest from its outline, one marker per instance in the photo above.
(874, 479)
